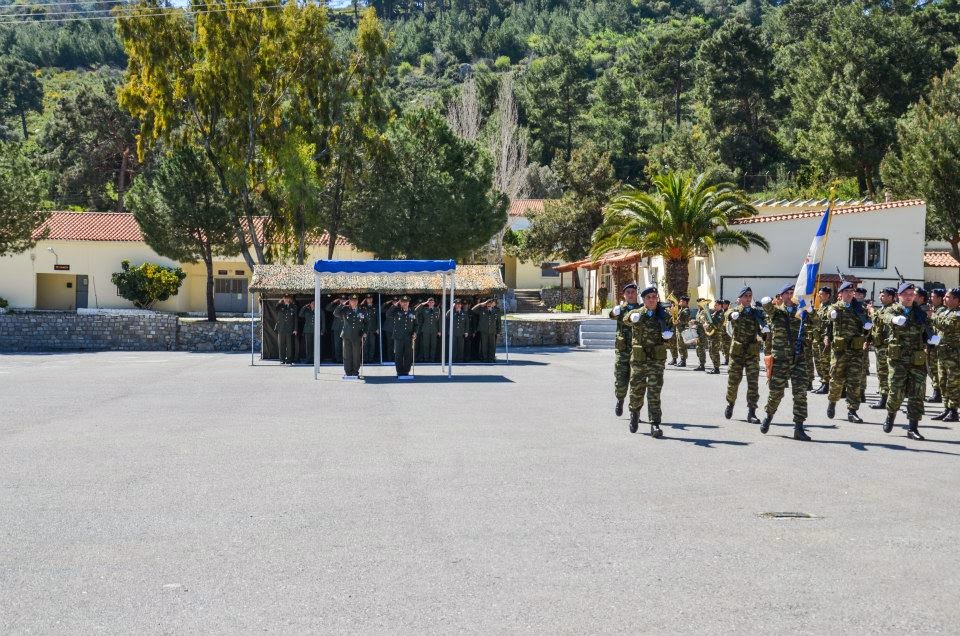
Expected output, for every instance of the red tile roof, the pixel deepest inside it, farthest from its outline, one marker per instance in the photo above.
(519, 207)
(939, 259)
(807, 214)
(120, 227)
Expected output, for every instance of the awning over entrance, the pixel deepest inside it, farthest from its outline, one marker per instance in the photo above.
(300, 279)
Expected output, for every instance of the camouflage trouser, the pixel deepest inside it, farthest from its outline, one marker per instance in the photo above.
(821, 357)
(745, 363)
(948, 360)
(646, 379)
(845, 374)
(725, 341)
(864, 369)
(907, 382)
(933, 368)
(786, 370)
(701, 344)
(882, 369)
(678, 348)
(621, 369)
(808, 362)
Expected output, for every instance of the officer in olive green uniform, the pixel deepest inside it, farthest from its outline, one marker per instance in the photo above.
(488, 325)
(947, 324)
(404, 322)
(387, 328)
(336, 327)
(847, 335)
(680, 323)
(286, 328)
(428, 330)
(910, 333)
(354, 321)
(624, 344)
(709, 324)
(307, 314)
(933, 353)
(748, 326)
(787, 324)
(822, 352)
(651, 329)
(880, 335)
(372, 314)
(461, 325)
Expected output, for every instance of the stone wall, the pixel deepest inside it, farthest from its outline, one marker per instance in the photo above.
(542, 333)
(224, 335)
(551, 296)
(72, 332)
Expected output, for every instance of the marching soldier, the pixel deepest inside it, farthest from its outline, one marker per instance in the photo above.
(822, 349)
(861, 296)
(933, 353)
(789, 363)
(372, 313)
(906, 355)
(651, 331)
(286, 328)
(336, 327)
(404, 324)
(847, 338)
(308, 312)
(709, 324)
(747, 325)
(880, 335)
(680, 322)
(624, 345)
(461, 325)
(354, 321)
(725, 335)
(947, 323)
(428, 329)
(488, 326)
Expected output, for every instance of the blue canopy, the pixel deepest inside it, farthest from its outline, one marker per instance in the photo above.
(384, 267)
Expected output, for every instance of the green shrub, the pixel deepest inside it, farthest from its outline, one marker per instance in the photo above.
(567, 308)
(3, 303)
(502, 63)
(147, 284)
(404, 69)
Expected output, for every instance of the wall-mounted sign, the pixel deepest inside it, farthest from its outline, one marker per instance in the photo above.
(61, 268)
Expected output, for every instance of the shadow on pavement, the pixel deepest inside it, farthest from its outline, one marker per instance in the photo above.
(683, 427)
(865, 446)
(702, 441)
(436, 379)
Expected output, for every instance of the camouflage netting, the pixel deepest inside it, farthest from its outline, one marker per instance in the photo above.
(271, 280)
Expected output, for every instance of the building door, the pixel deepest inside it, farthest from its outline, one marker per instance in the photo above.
(83, 288)
(230, 295)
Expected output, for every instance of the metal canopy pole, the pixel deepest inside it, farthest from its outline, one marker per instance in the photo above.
(380, 324)
(443, 316)
(506, 332)
(316, 324)
(453, 288)
(253, 298)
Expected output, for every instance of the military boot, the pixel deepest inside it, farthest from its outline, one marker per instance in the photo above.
(882, 404)
(682, 363)
(619, 408)
(831, 410)
(765, 425)
(952, 417)
(863, 396)
(655, 431)
(913, 432)
(673, 362)
(888, 424)
(823, 389)
(716, 371)
(701, 368)
(942, 415)
(853, 417)
(799, 434)
(728, 412)
(752, 416)
(936, 398)
(634, 421)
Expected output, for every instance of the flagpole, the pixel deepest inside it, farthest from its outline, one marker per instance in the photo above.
(826, 237)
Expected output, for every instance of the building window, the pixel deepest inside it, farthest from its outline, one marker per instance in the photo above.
(654, 276)
(868, 253)
(547, 271)
(701, 273)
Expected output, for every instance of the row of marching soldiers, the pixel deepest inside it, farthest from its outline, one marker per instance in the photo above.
(406, 329)
(908, 335)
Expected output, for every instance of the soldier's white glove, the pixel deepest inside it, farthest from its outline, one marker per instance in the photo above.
(734, 315)
(867, 326)
(764, 329)
(900, 321)
(934, 340)
(833, 314)
(635, 318)
(616, 310)
(667, 335)
(765, 300)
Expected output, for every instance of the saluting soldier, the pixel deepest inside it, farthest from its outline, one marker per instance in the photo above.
(880, 335)
(624, 344)
(822, 353)
(651, 330)
(461, 325)
(488, 326)
(372, 314)
(906, 353)
(709, 324)
(933, 353)
(725, 335)
(404, 322)
(747, 325)
(354, 321)
(428, 330)
(947, 324)
(308, 313)
(681, 321)
(336, 327)
(286, 328)
(847, 337)
(387, 328)
(787, 324)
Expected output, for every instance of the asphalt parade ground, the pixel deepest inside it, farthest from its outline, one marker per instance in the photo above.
(185, 493)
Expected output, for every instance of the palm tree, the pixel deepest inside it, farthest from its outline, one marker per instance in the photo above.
(683, 217)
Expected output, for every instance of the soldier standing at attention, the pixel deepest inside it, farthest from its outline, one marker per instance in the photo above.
(307, 312)
(933, 353)
(709, 324)
(336, 328)
(725, 339)
(461, 324)
(679, 324)
(387, 327)
(354, 321)
(286, 328)
(847, 336)
(748, 326)
(822, 353)
(789, 364)
(651, 330)
(602, 293)
(906, 355)
(372, 314)
(881, 333)
(624, 345)
(404, 322)
(428, 329)
(488, 325)
(947, 324)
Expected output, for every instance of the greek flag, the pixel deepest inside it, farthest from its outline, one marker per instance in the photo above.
(806, 288)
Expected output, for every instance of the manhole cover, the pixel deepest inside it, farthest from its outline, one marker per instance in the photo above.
(788, 515)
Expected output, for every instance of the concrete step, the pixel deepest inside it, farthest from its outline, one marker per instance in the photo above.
(596, 344)
(599, 326)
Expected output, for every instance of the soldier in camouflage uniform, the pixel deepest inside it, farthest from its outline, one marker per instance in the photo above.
(847, 336)
(352, 333)
(748, 325)
(861, 295)
(787, 324)
(404, 323)
(286, 328)
(680, 322)
(880, 335)
(909, 334)
(933, 353)
(947, 325)
(651, 331)
(821, 350)
(708, 338)
(624, 345)
(725, 335)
